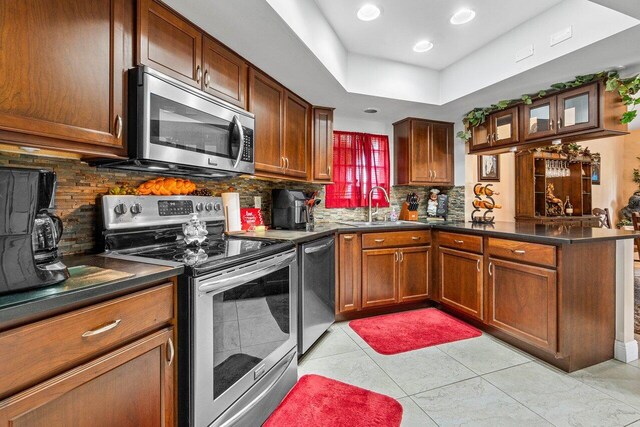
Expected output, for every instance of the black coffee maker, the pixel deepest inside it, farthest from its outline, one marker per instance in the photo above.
(29, 232)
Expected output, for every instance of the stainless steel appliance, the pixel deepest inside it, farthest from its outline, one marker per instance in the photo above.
(288, 210)
(180, 130)
(237, 306)
(317, 291)
(29, 231)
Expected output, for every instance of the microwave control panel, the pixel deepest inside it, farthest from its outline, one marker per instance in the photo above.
(247, 150)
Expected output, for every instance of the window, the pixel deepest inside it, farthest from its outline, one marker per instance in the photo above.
(360, 161)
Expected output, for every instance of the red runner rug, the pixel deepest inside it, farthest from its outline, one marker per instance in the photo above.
(411, 330)
(316, 401)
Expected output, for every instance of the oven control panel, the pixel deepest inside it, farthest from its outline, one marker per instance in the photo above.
(130, 212)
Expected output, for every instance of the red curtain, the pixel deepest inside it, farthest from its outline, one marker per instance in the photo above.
(360, 161)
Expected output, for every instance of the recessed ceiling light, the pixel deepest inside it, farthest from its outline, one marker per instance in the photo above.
(462, 16)
(423, 46)
(370, 110)
(368, 12)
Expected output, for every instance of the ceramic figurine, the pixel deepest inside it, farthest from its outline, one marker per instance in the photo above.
(195, 231)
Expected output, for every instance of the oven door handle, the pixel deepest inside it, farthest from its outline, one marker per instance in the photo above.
(232, 279)
(236, 121)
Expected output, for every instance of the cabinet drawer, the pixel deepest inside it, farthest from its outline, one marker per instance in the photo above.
(395, 238)
(464, 242)
(42, 349)
(521, 251)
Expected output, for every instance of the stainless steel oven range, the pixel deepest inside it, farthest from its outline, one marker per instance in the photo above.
(237, 306)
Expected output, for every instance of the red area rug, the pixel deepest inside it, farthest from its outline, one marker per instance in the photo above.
(411, 330)
(316, 401)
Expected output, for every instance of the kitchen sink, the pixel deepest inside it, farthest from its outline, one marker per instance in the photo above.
(380, 223)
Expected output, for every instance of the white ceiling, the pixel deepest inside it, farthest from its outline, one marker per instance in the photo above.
(405, 22)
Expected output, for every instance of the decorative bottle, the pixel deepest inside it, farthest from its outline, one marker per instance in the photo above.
(568, 207)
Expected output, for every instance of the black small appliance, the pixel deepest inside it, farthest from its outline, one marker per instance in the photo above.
(289, 211)
(29, 232)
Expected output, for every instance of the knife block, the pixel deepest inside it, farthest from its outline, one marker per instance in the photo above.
(406, 214)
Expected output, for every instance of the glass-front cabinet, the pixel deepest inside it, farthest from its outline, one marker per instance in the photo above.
(504, 127)
(539, 118)
(577, 109)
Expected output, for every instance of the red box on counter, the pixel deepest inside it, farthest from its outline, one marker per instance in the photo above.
(250, 217)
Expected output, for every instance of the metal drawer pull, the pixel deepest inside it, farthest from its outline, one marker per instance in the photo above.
(519, 251)
(490, 269)
(415, 238)
(458, 241)
(401, 256)
(171, 352)
(379, 240)
(478, 266)
(102, 329)
(118, 126)
(347, 237)
(396, 257)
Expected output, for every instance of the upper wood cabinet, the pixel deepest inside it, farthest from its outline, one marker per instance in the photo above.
(500, 128)
(322, 152)
(283, 127)
(169, 43)
(423, 152)
(61, 79)
(225, 73)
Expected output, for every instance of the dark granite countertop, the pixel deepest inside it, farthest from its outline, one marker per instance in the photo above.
(537, 233)
(94, 278)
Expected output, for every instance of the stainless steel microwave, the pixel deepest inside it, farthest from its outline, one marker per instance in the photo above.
(176, 129)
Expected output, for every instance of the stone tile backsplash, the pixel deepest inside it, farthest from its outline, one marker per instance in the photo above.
(80, 187)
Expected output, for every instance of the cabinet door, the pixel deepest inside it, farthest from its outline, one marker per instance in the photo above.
(480, 136)
(296, 135)
(539, 118)
(419, 152)
(132, 386)
(322, 144)
(168, 43)
(523, 302)
(349, 265)
(379, 277)
(578, 109)
(266, 100)
(62, 72)
(461, 281)
(504, 127)
(225, 73)
(441, 156)
(414, 273)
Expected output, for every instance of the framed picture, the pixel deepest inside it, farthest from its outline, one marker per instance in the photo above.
(489, 168)
(595, 173)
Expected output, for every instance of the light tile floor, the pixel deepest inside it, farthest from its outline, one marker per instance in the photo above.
(480, 382)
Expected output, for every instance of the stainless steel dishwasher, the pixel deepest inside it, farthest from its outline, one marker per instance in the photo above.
(316, 309)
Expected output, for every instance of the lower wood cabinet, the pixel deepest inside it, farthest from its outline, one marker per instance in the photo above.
(379, 277)
(461, 281)
(132, 386)
(348, 266)
(523, 302)
(413, 274)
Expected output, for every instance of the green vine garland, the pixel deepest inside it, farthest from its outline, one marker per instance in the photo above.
(628, 88)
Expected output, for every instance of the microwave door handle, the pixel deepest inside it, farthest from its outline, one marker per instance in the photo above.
(231, 280)
(236, 121)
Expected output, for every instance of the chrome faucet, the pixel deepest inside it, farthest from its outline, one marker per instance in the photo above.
(386, 196)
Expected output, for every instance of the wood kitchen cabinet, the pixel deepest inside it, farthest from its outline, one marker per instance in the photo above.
(414, 271)
(61, 79)
(500, 128)
(423, 152)
(133, 385)
(169, 43)
(348, 271)
(225, 73)
(379, 277)
(523, 302)
(461, 281)
(322, 151)
(295, 144)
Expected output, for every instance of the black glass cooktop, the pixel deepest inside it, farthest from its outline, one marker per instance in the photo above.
(210, 255)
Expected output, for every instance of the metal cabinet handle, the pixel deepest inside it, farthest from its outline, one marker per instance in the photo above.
(559, 122)
(171, 352)
(347, 237)
(435, 174)
(207, 78)
(519, 251)
(198, 74)
(401, 256)
(286, 159)
(430, 173)
(118, 126)
(458, 241)
(490, 269)
(329, 171)
(396, 257)
(415, 238)
(478, 266)
(102, 329)
(550, 124)
(282, 163)
(378, 240)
